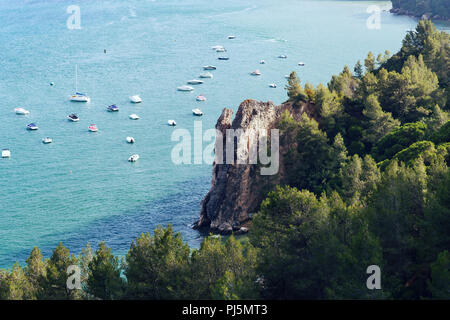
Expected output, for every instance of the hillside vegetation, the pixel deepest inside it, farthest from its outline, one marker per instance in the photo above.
(439, 9)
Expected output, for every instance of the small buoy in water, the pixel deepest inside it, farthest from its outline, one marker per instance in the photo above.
(51, 83)
(104, 50)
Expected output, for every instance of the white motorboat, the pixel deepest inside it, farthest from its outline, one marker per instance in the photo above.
(207, 75)
(221, 50)
(262, 62)
(201, 98)
(73, 117)
(272, 85)
(195, 82)
(301, 64)
(136, 99)
(283, 56)
(231, 37)
(133, 158)
(47, 140)
(185, 88)
(93, 128)
(197, 112)
(21, 111)
(134, 116)
(112, 108)
(217, 47)
(209, 68)
(32, 126)
(6, 153)
(130, 139)
(256, 73)
(78, 97)
(171, 123)
(287, 76)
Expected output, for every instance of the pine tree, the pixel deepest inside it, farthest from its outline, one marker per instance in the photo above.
(379, 123)
(104, 280)
(55, 284)
(358, 70)
(36, 272)
(369, 62)
(294, 89)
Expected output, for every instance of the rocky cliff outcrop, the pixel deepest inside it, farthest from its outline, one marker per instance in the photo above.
(238, 189)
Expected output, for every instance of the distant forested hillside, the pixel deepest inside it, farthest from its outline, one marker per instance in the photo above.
(435, 9)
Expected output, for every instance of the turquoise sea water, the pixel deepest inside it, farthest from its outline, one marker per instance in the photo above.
(81, 188)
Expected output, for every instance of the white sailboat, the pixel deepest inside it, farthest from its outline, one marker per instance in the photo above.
(78, 97)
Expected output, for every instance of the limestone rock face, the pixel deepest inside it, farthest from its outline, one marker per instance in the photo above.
(237, 190)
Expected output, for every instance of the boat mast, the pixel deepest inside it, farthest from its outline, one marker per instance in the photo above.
(76, 78)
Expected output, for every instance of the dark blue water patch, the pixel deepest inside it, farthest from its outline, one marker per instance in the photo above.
(181, 209)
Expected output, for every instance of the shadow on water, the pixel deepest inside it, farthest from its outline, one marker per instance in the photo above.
(181, 209)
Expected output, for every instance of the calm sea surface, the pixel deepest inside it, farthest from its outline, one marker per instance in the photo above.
(81, 188)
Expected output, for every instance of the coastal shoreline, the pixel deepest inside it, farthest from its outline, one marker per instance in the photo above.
(403, 12)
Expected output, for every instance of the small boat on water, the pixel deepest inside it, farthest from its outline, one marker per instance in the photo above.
(47, 140)
(209, 68)
(6, 153)
(262, 62)
(197, 112)
(32, 126)
(201, 98)
(133, 158)
(287, 76)
(301, 64)
(231, 37)
(217, 47)
(21, 111)
(93, 128)
(134, 116)
(207, 75)
(136, 99)
(73, 117)
(223, 58)
(283, 56)
(272, 85)
(171, 123)
(256, 73)
(112, 108)
(221, 50)
(78, 97)
(130, 139)
(195, 82)
(185, 88)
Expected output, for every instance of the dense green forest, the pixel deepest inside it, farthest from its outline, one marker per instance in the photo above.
(432, 8)
(369, 185)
